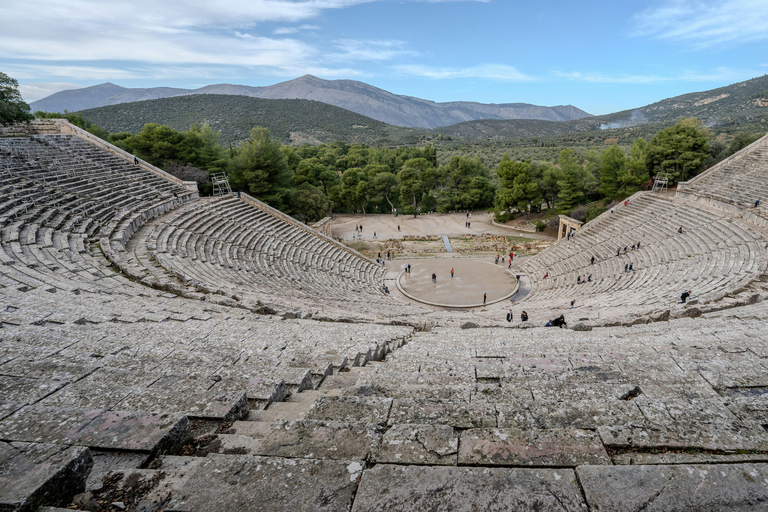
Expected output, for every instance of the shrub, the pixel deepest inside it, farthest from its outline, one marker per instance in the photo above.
(540, 226)
(594, 210)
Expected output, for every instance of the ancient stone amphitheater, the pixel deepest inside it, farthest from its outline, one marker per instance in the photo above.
(161, 351)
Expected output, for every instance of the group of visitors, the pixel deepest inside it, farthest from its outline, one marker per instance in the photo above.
(511, 316)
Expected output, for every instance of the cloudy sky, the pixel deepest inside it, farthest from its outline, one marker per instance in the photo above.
(597, 55)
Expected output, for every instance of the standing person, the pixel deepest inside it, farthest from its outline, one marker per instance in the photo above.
(451, 273)
(684, 296)
(361, 228)
(136, 162)
(374, 235)
(434, 277)
(572, 303)
(485, 296)
(409, 268)
(593, 260)
(511, 255)
(497, 259)
(398, 228)
(680, 231)
(757, 203)
(510, 316)
(509, 267)
(523, 316)
(469, 224)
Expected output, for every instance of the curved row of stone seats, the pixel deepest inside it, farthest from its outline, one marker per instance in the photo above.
(714, 256)
(231, 245)
(739, 180)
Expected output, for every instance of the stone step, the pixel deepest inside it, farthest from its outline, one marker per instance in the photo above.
(34, 473)
(226, 483)
(301, 438)
(398, 487)
(95, 428)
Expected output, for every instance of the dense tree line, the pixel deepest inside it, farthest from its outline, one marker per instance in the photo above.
(311, 182)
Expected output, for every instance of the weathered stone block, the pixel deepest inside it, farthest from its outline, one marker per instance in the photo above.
(226, 483)
(661, 488)
(32, 474)
(515, 447)
(419, 444)
(429, 488)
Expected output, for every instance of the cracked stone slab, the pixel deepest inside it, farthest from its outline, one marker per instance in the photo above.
(586, 414)
(32, 473)
(457, 414)
(353, 409)
(639, 458)
(706, 437)
(311, 439)
(223, 405)
(430, 488)
(419, 444)
(226, 483)
(686, 487)
(21, 391)
(95, 428)
(515, 447)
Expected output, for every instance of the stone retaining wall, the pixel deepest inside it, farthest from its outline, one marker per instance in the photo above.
(323, 226)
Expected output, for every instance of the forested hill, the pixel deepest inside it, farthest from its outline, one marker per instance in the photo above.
(290, 121)
(358, 97)
(738, 107)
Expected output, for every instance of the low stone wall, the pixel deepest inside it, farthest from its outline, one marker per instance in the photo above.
(323, 226)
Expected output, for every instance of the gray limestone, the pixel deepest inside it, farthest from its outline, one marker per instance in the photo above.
(443, 412)
(347, 408)
(242, 483)
(310, 439)
(112, 430)
(431, 488)
(515, 447)
(721, 487)
(419, 444)
(32, 474)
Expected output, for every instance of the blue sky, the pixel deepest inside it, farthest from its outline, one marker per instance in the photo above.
(599, 56)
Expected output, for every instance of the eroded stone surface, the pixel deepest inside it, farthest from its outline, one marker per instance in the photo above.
(355, 409)
(312, 439)
(240, 483)
(32, 473)
(515, 447)
(457, 414)
(117, 430)
(663, 488)
(425, 489)
(419, 444)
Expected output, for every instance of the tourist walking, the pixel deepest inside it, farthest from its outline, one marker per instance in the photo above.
(572, 303)
(485, 296)
(434, 277)
(510, 316)
(592, 262)
(136, 162)
(451, 273)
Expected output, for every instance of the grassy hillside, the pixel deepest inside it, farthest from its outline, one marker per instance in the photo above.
(291, 121)
(738, 107)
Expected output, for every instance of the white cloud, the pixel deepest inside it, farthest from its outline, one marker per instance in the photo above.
(353, 49)
(706, 23)
(294, 30)
(35, 91)
(716, 75)
(487, 71)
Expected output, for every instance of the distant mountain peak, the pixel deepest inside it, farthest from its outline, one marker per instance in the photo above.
(353, 95)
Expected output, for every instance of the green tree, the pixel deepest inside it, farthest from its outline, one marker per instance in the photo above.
(260, 168)
(516, 189)
(385, 186)
(612, 163)
(681, 150)
(308, 203)
(570, 183)
(634, 173)
(13, 109)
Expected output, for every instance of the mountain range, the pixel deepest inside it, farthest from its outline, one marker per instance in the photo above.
(358, 97)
